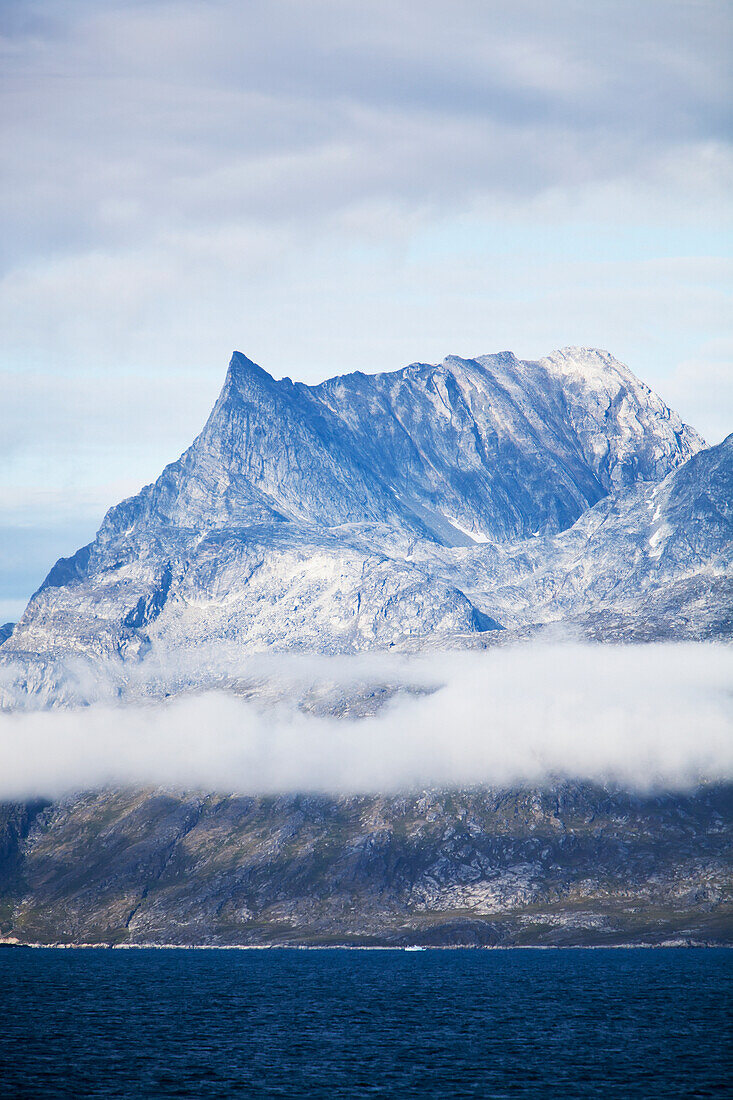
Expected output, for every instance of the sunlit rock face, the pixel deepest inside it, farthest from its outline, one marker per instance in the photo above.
(436, 503)
(489, 448)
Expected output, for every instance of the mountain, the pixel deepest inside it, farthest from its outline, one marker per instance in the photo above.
(466, 504)
(567, 864)
(434, 502)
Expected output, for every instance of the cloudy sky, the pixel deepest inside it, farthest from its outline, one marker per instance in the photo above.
(330, 185)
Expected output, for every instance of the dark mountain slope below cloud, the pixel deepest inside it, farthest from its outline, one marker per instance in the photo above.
(569, 864)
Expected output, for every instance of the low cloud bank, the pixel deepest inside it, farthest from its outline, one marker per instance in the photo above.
(647, 716)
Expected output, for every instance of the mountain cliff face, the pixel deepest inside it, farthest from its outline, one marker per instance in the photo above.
(435, 502)
(503, 449)
(655, 561)
(462, 504)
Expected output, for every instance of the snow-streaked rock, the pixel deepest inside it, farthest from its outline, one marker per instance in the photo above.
(470, 448)
(651, 561)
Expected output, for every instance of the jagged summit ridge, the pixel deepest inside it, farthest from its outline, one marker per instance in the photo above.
(465, 450)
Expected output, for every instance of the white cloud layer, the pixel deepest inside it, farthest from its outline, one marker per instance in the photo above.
(179, 174)
(644, 717)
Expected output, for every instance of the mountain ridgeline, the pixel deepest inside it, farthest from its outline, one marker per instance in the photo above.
(471, 449)
(430, 505)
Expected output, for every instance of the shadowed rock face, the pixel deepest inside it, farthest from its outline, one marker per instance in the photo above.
(573, 864)
(509, 449)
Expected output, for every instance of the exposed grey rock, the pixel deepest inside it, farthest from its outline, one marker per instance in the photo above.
(571, 864)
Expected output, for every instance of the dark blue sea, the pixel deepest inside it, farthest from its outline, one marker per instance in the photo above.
(340, 1023)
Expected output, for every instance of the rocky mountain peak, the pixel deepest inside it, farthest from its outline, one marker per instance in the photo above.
(492, 447)
(435, 500)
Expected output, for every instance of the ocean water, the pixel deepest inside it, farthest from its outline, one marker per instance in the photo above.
(344, 1023)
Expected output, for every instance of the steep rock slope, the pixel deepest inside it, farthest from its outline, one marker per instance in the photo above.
(267, 452)
(654, 561)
